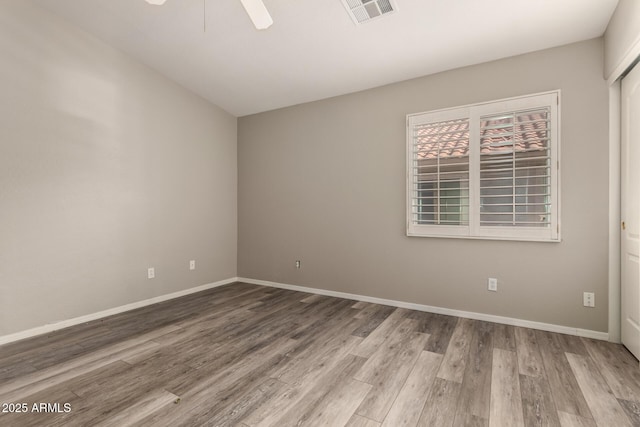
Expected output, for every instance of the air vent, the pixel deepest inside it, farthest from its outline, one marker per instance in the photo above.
(362, 11)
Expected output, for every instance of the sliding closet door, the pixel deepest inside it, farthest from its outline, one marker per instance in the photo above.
(630, 227)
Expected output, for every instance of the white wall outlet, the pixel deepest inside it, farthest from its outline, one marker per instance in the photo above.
(151, 273)
(298, 264)
(589, 299)
(492, 284)
(192, 264)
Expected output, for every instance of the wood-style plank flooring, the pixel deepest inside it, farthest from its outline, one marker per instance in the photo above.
(246, 355)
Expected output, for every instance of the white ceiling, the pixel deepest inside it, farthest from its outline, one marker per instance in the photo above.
(314, 50)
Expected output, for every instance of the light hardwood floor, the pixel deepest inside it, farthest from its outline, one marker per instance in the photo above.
(247, 355)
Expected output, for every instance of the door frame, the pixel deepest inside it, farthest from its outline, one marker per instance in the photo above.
(615, 141)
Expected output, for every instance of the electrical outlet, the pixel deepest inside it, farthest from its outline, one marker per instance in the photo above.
(151, 273)
(492, 284)
(192, 264)
(298, 264)
(589, 299)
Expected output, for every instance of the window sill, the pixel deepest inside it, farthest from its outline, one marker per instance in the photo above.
(505, 238)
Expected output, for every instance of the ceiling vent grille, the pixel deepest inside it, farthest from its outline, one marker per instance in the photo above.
(362, 11)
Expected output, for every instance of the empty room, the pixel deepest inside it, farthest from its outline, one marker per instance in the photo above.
(350, 213)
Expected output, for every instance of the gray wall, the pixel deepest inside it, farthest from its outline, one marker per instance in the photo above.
(623, 34)
(106, 168)
(324, 182)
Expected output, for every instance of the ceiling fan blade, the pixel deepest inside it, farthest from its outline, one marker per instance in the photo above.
(258, 13)
(255, 9)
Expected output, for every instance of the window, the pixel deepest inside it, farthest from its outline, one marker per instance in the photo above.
(486, 170)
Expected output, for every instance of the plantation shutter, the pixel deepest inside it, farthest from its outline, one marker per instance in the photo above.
(488, 170)
(515, 169)
(440, 173)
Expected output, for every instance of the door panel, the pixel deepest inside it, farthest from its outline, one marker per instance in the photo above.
(630, 196)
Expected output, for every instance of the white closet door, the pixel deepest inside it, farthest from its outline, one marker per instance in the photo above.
(630, 187)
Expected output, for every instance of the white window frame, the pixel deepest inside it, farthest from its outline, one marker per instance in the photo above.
(474, 112)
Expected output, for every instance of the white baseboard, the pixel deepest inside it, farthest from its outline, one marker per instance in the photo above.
(439, 310)
(39, 330)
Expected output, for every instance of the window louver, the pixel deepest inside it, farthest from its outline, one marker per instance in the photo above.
(515, 175)
(441, 173)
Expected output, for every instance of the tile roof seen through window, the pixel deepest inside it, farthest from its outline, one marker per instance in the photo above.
(501, 134)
